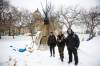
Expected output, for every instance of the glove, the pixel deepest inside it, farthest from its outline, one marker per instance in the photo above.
(59, 40)
(76, 48)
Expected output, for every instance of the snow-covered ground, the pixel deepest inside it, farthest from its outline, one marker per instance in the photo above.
(89, 53)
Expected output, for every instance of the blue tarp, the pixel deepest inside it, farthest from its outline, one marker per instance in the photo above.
(22, 50)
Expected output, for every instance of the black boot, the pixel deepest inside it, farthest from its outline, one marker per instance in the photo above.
(76, 64)
(62, 59)
(50, 55)
(69, 62)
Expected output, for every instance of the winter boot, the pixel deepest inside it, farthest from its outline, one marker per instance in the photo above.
(76, 64)
(69, 62)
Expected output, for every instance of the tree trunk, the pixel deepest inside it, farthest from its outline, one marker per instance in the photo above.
(91, 34)
(9, 31)
(19, 29)
(13, 33)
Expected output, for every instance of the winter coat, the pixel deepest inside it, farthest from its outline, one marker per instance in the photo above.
(60, 40)
(51, 41)
(72, 41)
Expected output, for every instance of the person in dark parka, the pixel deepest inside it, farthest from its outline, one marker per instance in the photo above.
(61, 45)
(72, 42)
(52, 43)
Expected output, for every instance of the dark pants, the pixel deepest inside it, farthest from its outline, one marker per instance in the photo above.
(61, 52)
(74, 52)
(52, 50)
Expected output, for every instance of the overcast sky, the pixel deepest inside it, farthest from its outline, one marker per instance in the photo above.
(34, 4)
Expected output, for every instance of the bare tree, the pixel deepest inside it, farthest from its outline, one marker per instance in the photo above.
(91, 19)
(94, 16)
(11, 18)
(84, 20)
(22, 19)
(68, 16)
(8, 17)
(3, 5)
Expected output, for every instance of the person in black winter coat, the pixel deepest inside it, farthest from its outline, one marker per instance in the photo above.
(72, 42)
(52, 43)
(61, 45)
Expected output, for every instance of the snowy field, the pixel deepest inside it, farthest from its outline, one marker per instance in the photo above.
(89, 53)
